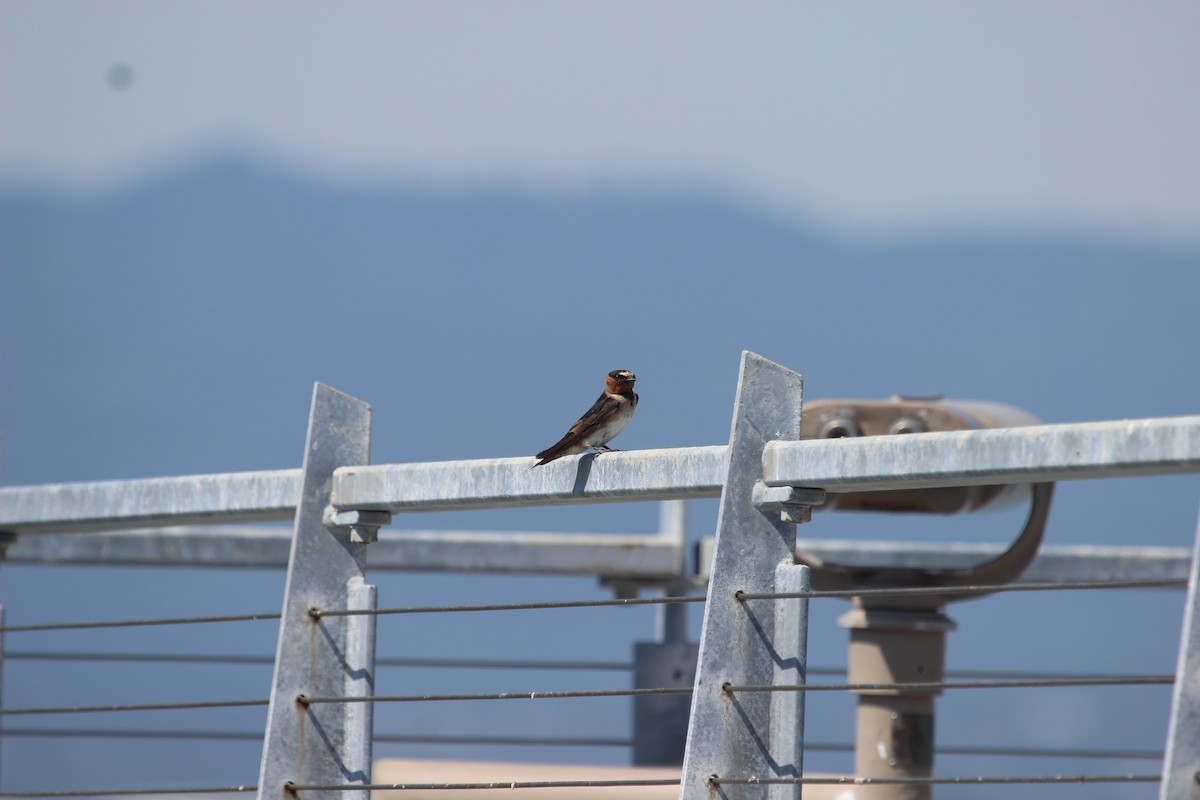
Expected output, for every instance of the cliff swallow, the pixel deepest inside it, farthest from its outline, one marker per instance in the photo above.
(607, 417)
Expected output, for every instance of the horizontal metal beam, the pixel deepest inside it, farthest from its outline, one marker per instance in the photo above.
(678, 473)
(220, 546)
(649, 557)
(1069, 564)
(152, 502)
(1035, 454)
(1013, 455)
(644, 557)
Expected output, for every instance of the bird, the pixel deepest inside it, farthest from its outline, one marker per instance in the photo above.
(607, 417)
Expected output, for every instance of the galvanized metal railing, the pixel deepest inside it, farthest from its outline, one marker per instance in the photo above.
(319, 730)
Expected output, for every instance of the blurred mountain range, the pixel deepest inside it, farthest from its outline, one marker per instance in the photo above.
(176, 326)
(213, 296)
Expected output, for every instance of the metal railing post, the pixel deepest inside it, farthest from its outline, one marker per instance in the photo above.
(360, 682)
(660, 721)
(731, 734)
(1181, 767)
(1, 685)
(322, 656)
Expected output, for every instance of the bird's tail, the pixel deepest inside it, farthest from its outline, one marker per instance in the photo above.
(557, 450)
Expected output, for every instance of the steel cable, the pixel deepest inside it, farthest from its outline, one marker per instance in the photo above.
(141, 707)
(631, 601)
(419, 698)
(431, 663)
(124, 792)
(931, 686)
(397, 738)
(717, 781)
(463, 663)
(133, 623)
(934, 781)
(582, 784)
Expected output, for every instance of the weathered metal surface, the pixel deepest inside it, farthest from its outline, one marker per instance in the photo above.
(509, 482)
(787, 708)
(1034, 454)
(643, 557)
(311, 744)
(153, 502)
(635, 556)
(1037, 453)
(1067, 564)
(731, 734)
(181, 546)
(1181, 767)
(360, 682)
(648, 557)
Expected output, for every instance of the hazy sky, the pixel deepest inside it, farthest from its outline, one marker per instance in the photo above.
(869, 116)
(178, 329)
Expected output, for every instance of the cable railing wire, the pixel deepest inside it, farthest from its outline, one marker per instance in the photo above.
(935, 686)
(963, 780)
(120, 733)
(579, 784)
(552, 695)
(717, 781)
(256, 736)
(416, 663)
(1131, 680)
(744, 596)
(616, 602)
(130, 792)
(316, 613)
(1126, 680)
(137, 658)
(132, 707)
(416, 738)
(466, 663)
(134, 623)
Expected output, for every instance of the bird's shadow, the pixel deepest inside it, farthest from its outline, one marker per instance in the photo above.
(583, 471)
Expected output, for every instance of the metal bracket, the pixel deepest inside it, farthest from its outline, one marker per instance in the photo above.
(364, 525)
(1003, 568)
(794, 503)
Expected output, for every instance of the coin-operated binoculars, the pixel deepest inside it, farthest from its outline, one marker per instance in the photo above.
(898, 639)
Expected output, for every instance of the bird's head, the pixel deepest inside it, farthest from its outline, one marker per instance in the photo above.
(619, 381)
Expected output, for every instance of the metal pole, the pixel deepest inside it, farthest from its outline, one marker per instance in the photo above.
(728, 734)
(671, 622)
(787, 708)
(1, 685)
(660, 721)
(895, 728)
(1181, 767)
(309, 744)
(360, 682)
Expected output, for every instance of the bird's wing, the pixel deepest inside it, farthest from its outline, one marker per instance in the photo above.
(600, 412)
